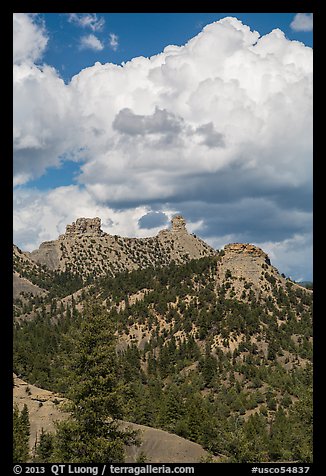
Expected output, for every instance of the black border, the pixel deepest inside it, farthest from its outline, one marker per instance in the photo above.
(6, 233)
(248, 6)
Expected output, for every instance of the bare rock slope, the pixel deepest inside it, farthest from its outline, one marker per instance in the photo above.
(157, 446)
(245, 266)
(245, 270)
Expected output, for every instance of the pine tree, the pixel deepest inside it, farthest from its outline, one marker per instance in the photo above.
(45, 447)
(278, 436)
(92, 434)
(21, 432)
(172, 409)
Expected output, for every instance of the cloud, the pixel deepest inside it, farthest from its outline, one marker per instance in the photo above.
(211, 137)
(160, 122)
(293, 256)
(90, 42)
(87, 20)
(302, 22)
(219, 129)
(43, 129)
(113, 41)
(250, 219)
(41, 216)
(29, 38)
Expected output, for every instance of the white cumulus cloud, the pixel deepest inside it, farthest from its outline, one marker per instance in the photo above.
(302, 22)
(29, 38)
(43, 128)
(225, 119)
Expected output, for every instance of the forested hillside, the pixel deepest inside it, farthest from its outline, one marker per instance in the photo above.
(208, 355)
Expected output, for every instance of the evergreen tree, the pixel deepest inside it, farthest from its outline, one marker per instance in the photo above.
(279, 435)
(44, 448)
(301, 426)
(21, 432)
(172, 409)
(92, 434)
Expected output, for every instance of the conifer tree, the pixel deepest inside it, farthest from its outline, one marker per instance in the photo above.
(44, 448)
(21, 432)
(92, 434)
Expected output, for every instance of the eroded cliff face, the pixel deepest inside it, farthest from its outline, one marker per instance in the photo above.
(245, 249)
(48, 254)
(87, 250)
(245, 269)
(179, 245)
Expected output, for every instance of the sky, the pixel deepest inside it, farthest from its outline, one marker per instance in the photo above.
(137, 117)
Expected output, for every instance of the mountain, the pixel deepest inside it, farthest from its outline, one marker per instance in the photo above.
(214, 346)
(85, 249)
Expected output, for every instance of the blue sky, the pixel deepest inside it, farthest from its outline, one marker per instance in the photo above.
(110, 120)
(144, 34)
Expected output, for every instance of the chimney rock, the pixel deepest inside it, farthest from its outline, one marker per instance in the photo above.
(178, 224)
(85, 226)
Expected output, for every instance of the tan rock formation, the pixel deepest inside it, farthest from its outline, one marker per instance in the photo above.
(48, 254)
(23, 285)
(178, 224)
(245, 249)
(85, 249)
(243, 268)
(85, 226)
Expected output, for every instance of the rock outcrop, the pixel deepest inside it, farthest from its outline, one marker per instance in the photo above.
(23, 285)
(244, 269)
(85, 249)
(48, 254)
(178, 224)
(245, 249)
(84, 226)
